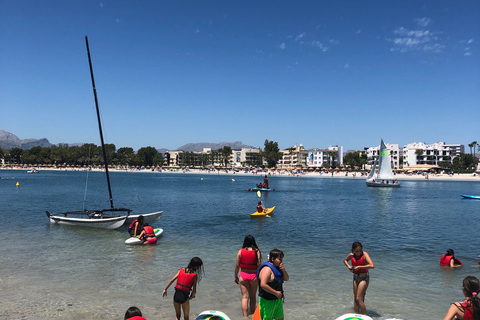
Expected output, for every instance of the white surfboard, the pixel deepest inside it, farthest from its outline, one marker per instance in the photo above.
(353, 316)
(135, 240)
(206, 315)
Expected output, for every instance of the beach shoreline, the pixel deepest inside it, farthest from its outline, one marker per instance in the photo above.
(272, 173)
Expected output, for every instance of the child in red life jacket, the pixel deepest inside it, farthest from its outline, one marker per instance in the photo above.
(470, 308)
(148, 235)
(186, 287)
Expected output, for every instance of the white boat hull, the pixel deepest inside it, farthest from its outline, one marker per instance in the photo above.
(103, 223)
(147, 218)
(382, 185)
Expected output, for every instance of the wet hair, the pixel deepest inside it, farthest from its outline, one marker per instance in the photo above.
(471, 286)
(132, 312)
(259, 202)
(249, 242)
(275, 253)
(196, 265)
(450, 252)
(355, 245)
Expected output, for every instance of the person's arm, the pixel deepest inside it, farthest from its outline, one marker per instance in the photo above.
(136, 228)
(194, 290)
(237, 267)
(345, 261)
(164, 293)
(265, 275)
(453, 312)
(259, 258)
(286, 277)
(369, 262)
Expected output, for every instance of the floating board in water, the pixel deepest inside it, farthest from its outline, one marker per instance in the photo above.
(470, 196)
(261, 189)
(354, 316)
(262, 214)
(135, 240)
(207, 315)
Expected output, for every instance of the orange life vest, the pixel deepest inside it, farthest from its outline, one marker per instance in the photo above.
(149, 233)
(445, 260)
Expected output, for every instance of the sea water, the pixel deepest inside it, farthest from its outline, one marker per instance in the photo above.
(58, 272)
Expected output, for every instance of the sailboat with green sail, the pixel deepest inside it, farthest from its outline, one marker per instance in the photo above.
(384, 177)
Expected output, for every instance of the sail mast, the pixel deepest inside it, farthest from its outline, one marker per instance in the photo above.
(99, 125)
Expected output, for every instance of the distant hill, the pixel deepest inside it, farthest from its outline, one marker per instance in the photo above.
(9, 140)
(215, 146)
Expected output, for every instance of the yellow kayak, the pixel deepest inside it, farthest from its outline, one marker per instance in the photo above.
(262, 214)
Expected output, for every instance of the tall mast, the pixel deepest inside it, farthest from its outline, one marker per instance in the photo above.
(99, 125)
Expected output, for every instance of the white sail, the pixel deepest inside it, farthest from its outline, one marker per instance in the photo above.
(372, 171)
(384, 167)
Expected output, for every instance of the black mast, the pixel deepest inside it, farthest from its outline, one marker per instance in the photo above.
(99, 125)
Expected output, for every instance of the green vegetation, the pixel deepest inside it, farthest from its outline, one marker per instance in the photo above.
(355, 159)
(271, 153)
(88, 154)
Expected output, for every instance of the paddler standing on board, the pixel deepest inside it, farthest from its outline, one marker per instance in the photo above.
(271, 275)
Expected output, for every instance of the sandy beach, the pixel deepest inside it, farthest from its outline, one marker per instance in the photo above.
(273, 173)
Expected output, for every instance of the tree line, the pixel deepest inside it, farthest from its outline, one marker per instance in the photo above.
(90, 154)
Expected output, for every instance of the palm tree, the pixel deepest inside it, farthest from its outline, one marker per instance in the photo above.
(331, 155)
(418, 152)
(474, 144)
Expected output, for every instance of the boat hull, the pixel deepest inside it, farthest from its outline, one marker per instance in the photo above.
(100, 223)
(263, 214)
(147, 218)
(382, 185)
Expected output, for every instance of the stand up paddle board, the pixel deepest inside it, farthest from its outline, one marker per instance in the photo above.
(468, 196)
(354, 316)
(135, 240)
(207, 315)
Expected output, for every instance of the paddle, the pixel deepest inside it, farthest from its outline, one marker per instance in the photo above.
(259, 194)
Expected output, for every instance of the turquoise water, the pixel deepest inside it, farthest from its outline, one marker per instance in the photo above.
(58, 272)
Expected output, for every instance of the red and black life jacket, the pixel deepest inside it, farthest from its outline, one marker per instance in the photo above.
(149, 232)
(248, 259)
(185, 281)
(359, 262)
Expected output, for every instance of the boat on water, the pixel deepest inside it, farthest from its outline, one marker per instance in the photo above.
(468, 196)
(263, 214)
(147, 218)
(384, 177)
(260, 189)
(111, 218)
(33, 170)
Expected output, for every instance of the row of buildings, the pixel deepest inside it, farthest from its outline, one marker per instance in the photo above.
(297, 156)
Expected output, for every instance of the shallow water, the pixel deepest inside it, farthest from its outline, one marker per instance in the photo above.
(58, 272)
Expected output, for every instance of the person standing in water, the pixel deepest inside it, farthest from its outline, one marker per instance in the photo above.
(136, 226)
(271, 275)
(361, 262)
(470, 308)
(249, 259)
(186, 287)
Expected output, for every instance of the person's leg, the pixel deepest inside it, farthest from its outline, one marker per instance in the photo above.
(186, 309)
(359, 297)
(244, 289)
(178, 312)
(252, 293)
(355, 290)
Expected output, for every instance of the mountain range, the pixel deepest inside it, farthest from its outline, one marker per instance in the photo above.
(9, 140)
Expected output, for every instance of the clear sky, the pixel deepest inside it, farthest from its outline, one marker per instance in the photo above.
(316, 73)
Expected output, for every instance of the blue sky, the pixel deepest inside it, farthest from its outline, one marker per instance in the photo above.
(168, 73)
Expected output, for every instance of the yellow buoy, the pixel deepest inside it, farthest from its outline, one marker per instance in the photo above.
(202, 179)
(17, 184)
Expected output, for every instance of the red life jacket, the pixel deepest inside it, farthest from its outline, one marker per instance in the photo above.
(445, 260)
(259, 209)
(149, 233)
(185, 281)
(132, 225)
(248, 259)
(467, 310)
(359, 262)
